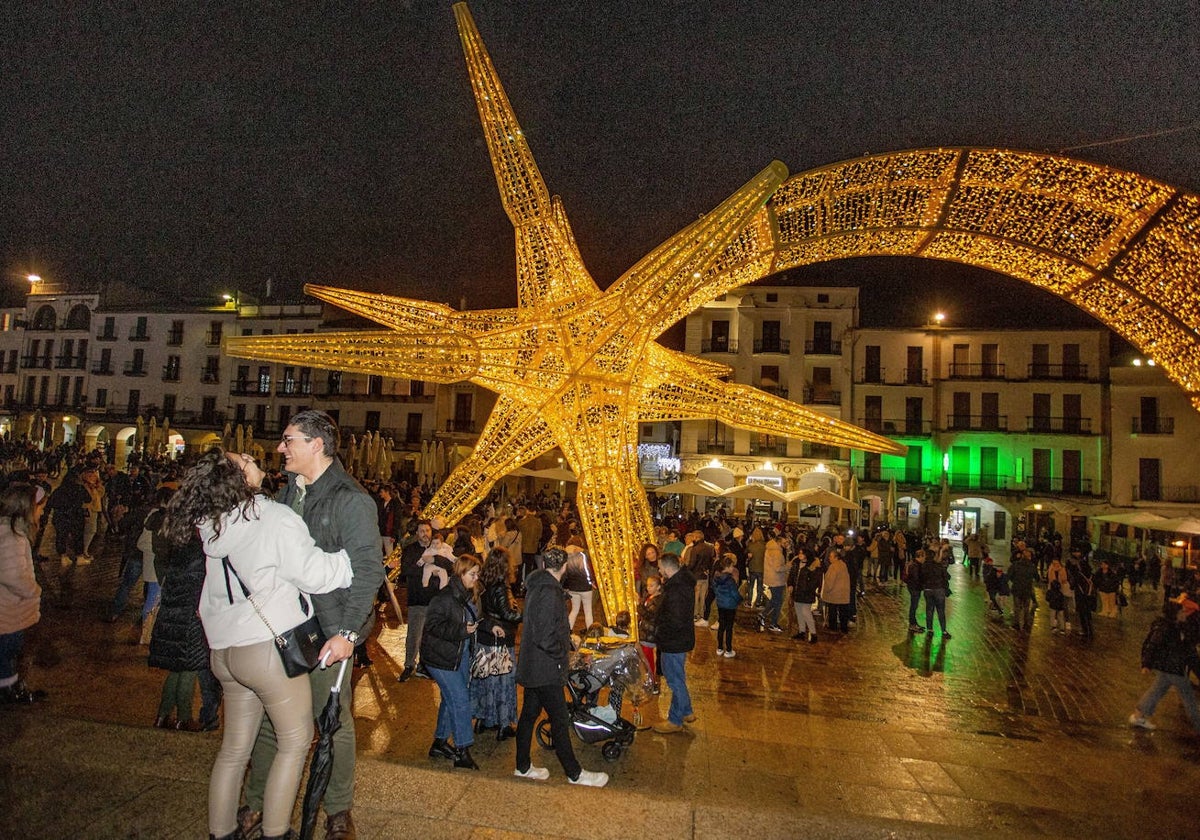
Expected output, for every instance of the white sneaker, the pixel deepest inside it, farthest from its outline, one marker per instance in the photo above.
(1140, 722)
(589, 778)
(538, 773)
(730, 654)
(700, 622)
(720, 652)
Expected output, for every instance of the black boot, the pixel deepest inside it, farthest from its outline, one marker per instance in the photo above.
(441, 749)
(505, 732)
(20, 694)
(462, 758)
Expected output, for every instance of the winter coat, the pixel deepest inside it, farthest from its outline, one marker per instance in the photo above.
(835, 588)
(578, 574)
(725, 591)
(497, 610)
(933, 574)
(20, 595)
(755, 555)
(1022, 575)
(271, 550)
(702, 560)
(775, 567)
(546, 638)
(648, 619)
(1170, 646)
(340, 515)
(806, 582)
(446, 626)
(676, 626)
(178, 642)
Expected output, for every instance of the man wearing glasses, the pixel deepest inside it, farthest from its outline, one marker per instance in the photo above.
(340, 515)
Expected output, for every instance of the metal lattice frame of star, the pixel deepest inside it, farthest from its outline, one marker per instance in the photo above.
(574, 367)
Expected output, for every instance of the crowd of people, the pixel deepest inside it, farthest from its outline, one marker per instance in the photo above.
(230, 556)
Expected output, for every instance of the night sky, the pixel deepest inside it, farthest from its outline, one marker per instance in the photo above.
(200, 150)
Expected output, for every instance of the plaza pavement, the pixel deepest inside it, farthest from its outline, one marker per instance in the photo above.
(874, 735)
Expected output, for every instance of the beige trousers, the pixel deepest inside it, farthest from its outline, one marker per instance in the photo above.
(254, 682)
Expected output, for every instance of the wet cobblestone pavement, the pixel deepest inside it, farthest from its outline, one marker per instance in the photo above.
(877, 733)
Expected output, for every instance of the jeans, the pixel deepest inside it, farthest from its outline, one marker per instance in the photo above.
(1183, 686)
(914, 601)
(755, 589)
(1022, 612)
(674, 670)
(153, 592)
(550, 698)
(129, 578)
(725, 622)
(454, 710)
(935, 601)
(412, 638)
(10, 649)
(774, 604)
(254, 682)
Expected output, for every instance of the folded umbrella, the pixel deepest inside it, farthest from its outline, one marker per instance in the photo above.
(321, 766)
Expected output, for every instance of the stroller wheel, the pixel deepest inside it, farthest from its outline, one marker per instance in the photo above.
(611, 751)
(543, 734)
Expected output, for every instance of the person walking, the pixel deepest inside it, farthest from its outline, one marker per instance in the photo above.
(253, 545)
(676, 638)
(1168, 651)
(20, 594)
(542, 664)
(450, 624)
(1022, 575)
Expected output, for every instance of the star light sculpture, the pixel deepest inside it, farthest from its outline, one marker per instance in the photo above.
(574, 367)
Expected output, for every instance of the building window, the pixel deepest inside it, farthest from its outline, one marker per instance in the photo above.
(101, 398)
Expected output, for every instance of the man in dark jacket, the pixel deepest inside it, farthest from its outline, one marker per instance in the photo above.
(1169, 651)
(1022, 575)
(340, 515)
(542, 670)
(676, 636)
(418, 595)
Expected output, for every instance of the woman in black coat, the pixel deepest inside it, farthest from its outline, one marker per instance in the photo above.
(450, 621)
(494, 695)
(177, 644)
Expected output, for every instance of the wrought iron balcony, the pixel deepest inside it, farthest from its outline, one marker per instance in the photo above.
(1059, 425)
(896, 425)
(985, 370)
(872, 376)
(823, 348)
(106, 335)
(1060, 485)
(134, 369)
(1068, 373)
(977, 422)
(718, 345)
(714, 447)
(139, 335)
(822, 396)
(1153, 426)
(1180, 493)
(778, 345)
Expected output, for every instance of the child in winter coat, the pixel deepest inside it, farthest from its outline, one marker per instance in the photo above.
(728, 597)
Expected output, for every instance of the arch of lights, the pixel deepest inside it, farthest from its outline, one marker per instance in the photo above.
(579, 369)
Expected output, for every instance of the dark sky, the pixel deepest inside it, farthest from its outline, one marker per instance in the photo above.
(200, 147)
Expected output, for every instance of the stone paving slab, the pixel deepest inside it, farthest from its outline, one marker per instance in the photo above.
(874, 734)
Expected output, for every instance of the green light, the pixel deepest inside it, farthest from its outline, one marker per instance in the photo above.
(945, 462)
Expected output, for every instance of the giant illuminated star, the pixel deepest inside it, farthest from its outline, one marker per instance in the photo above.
(574, 367)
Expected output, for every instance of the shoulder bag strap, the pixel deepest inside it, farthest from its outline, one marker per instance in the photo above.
(279, 640)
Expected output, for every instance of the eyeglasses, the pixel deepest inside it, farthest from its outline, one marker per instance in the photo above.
(286, 440)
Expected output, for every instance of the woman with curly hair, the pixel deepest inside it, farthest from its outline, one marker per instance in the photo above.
(253, 542)
(494, 695)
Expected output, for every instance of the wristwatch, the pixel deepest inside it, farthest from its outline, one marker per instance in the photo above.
(350, 636)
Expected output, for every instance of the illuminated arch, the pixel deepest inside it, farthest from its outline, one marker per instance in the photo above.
(1120, 246)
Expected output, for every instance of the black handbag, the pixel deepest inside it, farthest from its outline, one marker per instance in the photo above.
(300, 647)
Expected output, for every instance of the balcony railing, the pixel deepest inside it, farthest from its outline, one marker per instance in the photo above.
(896, 426)
(1068, 373)
(775, 390)
(134, 369)
(293, 389)
(209, 376)
(1059, 425)
(1153, 425)
(1066, 486)
(714, 447)
(823, 348)
(170, 373)
(822, 396)
(718, 345)
(248, 388)
(139, 335)
(872, 376)
(903, 475)
(778, 345)
(212, 339)
(1181, 493)
(915, 376)
(71, 362)
(977, 422)
(460, 426)
(102, 370)
(35, 362)
(175, 338)
(977, 481)
(984, 370)
(106, 335)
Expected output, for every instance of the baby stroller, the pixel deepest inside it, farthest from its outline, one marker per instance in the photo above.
(622, 670)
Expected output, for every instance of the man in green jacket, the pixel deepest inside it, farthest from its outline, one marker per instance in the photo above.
(340, 515)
